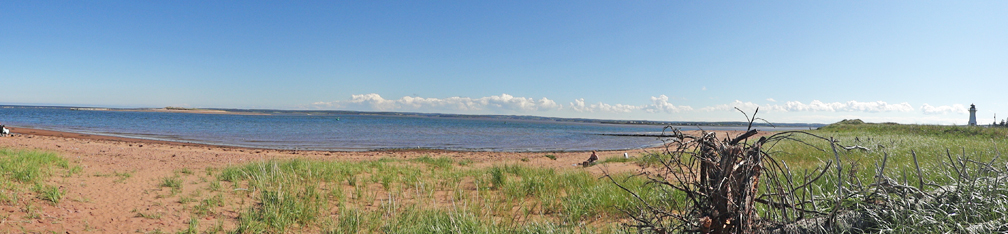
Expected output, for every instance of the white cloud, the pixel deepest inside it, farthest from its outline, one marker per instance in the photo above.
(934, 110)
(849, 106)
(580, 106)
(746, 106)
(816, 105)
(502, 102)
(658, 104)
(661, 103)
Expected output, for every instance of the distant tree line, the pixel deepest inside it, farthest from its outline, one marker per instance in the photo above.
(1001, 124)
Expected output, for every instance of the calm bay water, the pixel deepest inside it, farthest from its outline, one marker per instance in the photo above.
(338, 131)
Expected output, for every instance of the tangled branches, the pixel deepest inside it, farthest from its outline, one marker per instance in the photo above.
(707, 184)
(719, 183)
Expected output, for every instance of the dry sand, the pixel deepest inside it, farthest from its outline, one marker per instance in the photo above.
(98, 201)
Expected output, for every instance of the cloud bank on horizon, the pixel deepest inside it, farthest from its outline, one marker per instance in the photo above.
(659, 106)
(373, 101)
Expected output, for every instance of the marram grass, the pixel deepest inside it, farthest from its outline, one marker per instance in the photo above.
(426, 195)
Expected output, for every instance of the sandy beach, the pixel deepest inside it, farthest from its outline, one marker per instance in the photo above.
(98, 199)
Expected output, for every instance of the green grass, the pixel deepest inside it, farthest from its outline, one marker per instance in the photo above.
(147, 215)
(969, 197)
(932, 144)
(24, 171)
(193, 227)
(174, 183)
(937, 179)
(935, 148)
(651, 159)
(29, 166)
(977, 199)
(436, 163)
(208, 206)
(425, 195)
(214, 186)
(616, 160)
(52, 194)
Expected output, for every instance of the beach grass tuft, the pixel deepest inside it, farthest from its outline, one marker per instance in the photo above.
(172, 182)
(26, 166)
(151, 215)
(52, 194)
(27, 171)
(193, 227)
(550, 156)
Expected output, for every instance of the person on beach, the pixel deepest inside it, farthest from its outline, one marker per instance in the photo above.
(591, 160)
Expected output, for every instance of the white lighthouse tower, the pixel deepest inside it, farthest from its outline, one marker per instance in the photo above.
(972, 110)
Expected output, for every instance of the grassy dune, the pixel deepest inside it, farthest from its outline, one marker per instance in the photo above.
(425, 195)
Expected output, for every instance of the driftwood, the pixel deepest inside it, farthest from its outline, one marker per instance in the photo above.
(848, 148)
(721, 180)
(732, 185)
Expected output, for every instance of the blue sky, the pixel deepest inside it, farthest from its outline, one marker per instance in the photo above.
(898, 61)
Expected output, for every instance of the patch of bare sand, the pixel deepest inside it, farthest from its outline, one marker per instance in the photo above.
(102, 198)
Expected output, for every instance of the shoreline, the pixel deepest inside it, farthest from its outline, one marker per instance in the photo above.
(91, 136)
(117, 178)
(99, 137)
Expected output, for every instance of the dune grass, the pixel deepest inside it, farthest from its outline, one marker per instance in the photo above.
(27, 171)
(890, 178)
(424, 195)
(956, 175)
(933, 146)
(172, 182)
(882, 178)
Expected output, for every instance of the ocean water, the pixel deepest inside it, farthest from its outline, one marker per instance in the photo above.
(348, 132)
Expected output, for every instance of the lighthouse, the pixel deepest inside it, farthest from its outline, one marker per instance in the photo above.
(972, 121)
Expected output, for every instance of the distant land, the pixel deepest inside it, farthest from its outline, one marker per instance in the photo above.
(435, 115)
